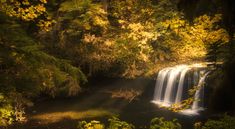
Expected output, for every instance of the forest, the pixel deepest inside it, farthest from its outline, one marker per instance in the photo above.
(117, 64)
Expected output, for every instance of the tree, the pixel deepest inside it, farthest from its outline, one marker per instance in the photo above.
(25, 64)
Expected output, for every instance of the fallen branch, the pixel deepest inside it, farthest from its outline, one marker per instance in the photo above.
(126, 94)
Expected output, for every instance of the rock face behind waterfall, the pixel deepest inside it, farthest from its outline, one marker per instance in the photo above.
(173, 84)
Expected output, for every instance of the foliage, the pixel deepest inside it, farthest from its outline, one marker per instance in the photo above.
(213, 52)
(114, 123)
(101, 39)
(81, 26)
(136, 27)
(26, 66)
(226, 122)
(130, 37)
(184, 104)
(91, 125)
(6, 111)
(28, 10)
(124, 38)
(12, 108)
(160, 123)
(193, 38)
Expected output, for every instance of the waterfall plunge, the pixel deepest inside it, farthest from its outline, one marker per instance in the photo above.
(173, 84)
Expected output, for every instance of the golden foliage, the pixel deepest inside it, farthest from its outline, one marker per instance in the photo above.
(191, 40)
(28, 11)
(24, 10)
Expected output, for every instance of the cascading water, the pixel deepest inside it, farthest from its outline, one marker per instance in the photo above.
(161, 78)
(199, 93)
(180, 86)
(173, 83)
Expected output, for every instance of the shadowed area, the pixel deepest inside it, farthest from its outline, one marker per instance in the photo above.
(98, 104)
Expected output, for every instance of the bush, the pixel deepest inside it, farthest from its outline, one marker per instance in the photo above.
(227, 122)
(6, 111)
(160, 123)
(114, 123)
(91, 125)
(12, 107)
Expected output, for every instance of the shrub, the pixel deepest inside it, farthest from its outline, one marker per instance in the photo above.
(161, 123)
(226, 122)
(91, 125)
(114, 123)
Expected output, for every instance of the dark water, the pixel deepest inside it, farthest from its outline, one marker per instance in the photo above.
(138, 112)
(141, 112)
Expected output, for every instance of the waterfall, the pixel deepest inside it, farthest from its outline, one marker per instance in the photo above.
(199, 93)
(170, 85)
(159, 85)
(180, 86)
(173, 83)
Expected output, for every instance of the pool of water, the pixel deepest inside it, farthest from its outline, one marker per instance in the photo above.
(97, 104)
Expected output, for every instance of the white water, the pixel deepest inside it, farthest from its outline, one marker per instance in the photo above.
(180, 86)
(159, 85)
(172, 85)
(198, 97)
(199, 93)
